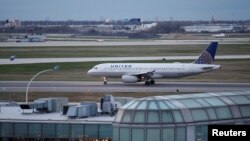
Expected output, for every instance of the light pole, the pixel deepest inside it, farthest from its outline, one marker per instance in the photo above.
(27, 89)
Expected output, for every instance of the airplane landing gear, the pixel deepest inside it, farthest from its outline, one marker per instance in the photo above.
(151, 82)
(147, 83)
(105, 81)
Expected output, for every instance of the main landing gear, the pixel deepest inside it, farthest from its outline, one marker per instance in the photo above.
(151, 82)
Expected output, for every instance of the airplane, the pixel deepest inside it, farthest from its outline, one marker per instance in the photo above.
(148, 72)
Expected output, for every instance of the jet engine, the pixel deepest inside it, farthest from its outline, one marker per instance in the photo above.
(129, 79)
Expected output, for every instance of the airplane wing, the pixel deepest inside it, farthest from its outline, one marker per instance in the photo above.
(143, 74)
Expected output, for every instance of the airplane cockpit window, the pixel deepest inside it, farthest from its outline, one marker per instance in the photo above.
(95, 68)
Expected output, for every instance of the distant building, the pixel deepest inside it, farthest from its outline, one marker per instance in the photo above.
(210, 28)
(145, 26)
(108, 21)
(135, 21)
(32, 38)
(247, 28)
(13, 23)
(136, 24)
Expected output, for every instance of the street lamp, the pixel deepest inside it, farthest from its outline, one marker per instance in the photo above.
(27, 89)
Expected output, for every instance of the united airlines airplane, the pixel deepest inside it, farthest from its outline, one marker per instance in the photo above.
(148, 72)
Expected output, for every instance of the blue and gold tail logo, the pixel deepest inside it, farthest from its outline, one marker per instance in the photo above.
(207, 56)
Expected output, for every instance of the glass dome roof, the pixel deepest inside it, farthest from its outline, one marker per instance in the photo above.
(185, 108)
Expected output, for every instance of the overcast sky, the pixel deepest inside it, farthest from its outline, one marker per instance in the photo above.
(124, 9)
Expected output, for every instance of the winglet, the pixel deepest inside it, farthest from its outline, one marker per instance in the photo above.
(207, 56)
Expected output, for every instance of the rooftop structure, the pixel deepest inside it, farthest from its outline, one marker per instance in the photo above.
(158, 118)
(179, 117)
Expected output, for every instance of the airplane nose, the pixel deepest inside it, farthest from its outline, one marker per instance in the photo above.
(89, 72)
(218, 67)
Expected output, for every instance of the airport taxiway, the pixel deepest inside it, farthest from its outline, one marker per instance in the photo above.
(97, 59)
(87, 87)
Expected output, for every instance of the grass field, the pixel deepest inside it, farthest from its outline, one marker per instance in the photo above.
(118, 51)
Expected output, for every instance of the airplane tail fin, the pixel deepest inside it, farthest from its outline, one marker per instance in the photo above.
(207, 56)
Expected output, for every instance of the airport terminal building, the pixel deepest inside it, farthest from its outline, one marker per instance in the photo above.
(207, 28)
(158, 118)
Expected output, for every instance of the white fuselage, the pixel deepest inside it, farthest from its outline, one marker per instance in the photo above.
(161, 70)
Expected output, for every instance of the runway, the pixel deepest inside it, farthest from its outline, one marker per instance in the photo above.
(123, 43)
(88, 87)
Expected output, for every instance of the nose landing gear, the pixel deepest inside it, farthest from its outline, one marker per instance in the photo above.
(105, 82)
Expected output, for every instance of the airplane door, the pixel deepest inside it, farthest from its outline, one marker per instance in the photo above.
(190, 67)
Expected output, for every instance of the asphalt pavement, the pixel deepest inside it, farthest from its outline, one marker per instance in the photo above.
(98, 59)
(76, 86)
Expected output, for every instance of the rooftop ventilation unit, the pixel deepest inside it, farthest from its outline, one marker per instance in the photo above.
(50, 104)
(86, 109)
(108, 105)
(93, 107)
